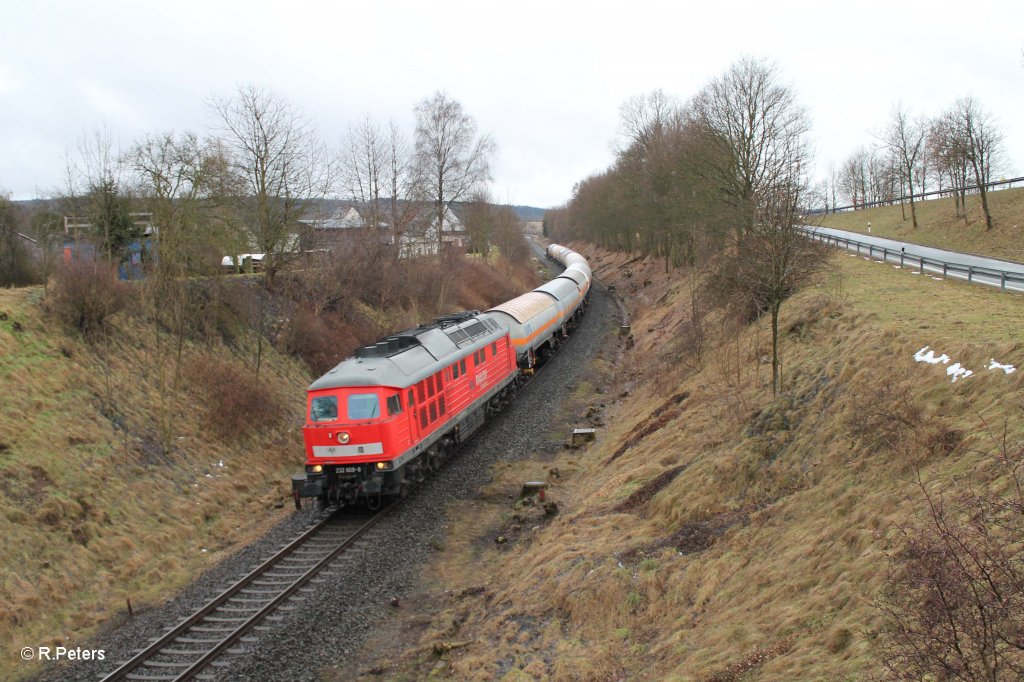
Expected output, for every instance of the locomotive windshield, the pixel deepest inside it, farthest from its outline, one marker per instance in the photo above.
(323, 408)
(363, 406)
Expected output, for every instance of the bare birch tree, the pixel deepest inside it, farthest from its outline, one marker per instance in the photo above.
(278, 166)
(452, 160)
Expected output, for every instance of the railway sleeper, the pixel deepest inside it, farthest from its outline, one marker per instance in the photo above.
(183, 652)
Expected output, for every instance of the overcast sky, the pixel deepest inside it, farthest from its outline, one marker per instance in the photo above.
(545, 79)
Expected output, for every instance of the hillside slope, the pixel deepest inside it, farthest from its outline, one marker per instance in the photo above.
(116, 484)
(938, 225)
(712, 532)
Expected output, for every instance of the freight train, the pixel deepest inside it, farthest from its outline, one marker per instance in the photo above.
(378, 422)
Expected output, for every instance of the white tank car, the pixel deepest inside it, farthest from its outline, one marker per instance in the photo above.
(538, 321)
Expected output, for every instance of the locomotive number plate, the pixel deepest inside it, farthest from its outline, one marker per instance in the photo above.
(348, 470)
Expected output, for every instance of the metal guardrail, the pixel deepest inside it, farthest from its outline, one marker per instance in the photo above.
(973, 274)
(925, 196)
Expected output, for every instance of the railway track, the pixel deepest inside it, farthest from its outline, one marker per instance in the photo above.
(190, 649)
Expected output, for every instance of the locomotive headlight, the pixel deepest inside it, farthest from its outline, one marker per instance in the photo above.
(314, 468)
(343, 437)
(382, 465)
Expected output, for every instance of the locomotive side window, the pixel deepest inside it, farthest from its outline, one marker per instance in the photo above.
(433, 412)
(494, 349)
(430, 387)
(462, 364)
(411, 401)
(363, 406)
(323, 409)
(455, 371)
(394, 405)
(440, 405)
(419, 392)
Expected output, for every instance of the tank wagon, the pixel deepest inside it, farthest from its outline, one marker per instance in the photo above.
(378, 422)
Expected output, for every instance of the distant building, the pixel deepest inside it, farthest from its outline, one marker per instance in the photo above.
(421, 238)
(341, 229)
(80, 246)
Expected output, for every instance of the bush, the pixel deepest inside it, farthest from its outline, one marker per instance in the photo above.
(955, 590)
(237, 405)
(86, 295)
(320, 341)
(17, 268)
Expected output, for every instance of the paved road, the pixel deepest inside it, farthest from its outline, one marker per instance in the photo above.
(912, 253)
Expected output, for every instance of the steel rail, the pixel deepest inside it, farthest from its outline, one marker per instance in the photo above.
(154, 649)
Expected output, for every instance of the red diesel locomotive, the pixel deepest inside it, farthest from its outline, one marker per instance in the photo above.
(378, 422)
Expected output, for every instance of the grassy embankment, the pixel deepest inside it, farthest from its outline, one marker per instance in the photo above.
(116, 482)
(99, 503)
(938, 225)
(713, 532)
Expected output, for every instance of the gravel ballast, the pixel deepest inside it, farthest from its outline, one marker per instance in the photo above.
(332, 617)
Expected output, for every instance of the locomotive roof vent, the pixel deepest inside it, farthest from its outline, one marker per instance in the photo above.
(387, 347)
(456, 318)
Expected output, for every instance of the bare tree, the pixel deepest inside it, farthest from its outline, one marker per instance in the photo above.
(401, 185)
(172, 176)
(956, 588)
(363, 169)
(451, 159)
(948, 150)
(277, 165)
(983, 142)
(96, 192)
(866, 177)
(763, 129)
(479, 219)
(376, 171)
(16, 266)
(654, 161)
(508, 235)
(904, 138)
(773, 259)
(644, 118)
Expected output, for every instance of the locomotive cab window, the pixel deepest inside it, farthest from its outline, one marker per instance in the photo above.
(494, 349)
(394, 405)
(363, 406)
(323, 408)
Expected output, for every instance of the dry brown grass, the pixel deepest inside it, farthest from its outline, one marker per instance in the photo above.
(745, 537)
